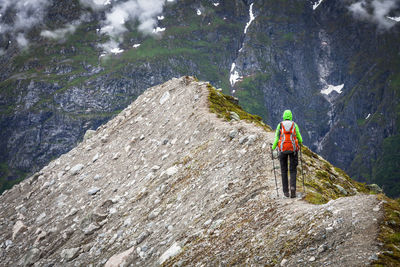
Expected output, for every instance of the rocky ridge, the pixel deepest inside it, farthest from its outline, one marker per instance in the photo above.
(166, 182)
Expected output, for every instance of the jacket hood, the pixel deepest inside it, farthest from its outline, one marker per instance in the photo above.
(287, 115)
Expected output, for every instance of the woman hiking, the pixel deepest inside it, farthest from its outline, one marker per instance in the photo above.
(288, 140)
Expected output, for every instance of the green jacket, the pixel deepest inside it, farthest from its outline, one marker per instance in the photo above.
(287, 115)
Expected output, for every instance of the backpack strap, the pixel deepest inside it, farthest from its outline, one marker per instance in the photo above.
(282, 137)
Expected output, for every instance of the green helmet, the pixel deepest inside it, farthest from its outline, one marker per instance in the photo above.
(287, 115)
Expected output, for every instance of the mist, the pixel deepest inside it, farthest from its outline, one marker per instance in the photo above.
(375, 11)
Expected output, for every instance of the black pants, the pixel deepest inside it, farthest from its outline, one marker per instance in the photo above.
(294, 161)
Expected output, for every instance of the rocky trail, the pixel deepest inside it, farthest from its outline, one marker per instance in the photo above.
(167, 182)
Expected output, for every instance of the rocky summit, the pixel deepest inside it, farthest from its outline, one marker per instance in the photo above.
(168, 182)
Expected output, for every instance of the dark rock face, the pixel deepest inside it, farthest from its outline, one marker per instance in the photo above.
(56, 90)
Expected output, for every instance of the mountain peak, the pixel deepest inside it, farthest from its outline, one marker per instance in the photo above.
(169, 182)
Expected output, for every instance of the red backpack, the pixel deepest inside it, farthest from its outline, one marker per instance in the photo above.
(288, 141)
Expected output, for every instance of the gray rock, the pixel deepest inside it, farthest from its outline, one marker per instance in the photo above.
(93, 191)
(8, 243)
(329, 229)
(233, 133)
(142, 237)
(373, 257)
(243, 140)
(18, 228)
(104, 139)
(31, 257)
(251, 139)
(234, 116)
(120, 259)
(91, 229)
(312, 259)
(155, 168)
(375, 188)
(322, 248)
(97, 177)
(283, 262)
(41, 217)
(76, 169)
(96, 157)
(88, 134)
(154, 214)
(341, 189)
(60, 174)
(70, 254)
(164, 97)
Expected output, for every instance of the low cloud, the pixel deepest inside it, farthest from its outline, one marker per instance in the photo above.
(96, 4)
(376, 11)
(144, 11)
(22, 41)
(59, 33)
(30, 13)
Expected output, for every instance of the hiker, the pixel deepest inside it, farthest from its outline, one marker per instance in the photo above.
(288, 140)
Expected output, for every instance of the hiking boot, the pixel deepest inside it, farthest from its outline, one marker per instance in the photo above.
(286, 194)
(292, 194)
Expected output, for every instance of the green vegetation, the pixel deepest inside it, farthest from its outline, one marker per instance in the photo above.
(5, 174)
(251, 95)
(389, 233)
(222, 105)
(387, 168)
(325, 182)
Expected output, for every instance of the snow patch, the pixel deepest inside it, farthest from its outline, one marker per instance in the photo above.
(331, 88)
(397, 19)
(116, 50)
(251, 18)
(198, 12)
(171, 252)
(235, 77)
(216, 4)
(160, 17)
(317, 4)
(136, 45)
(369, 114)
(158, 29)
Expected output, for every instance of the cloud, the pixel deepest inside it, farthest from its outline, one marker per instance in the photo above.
(22, 41)
(59, 33)
(376, 11)
(28, 12)
(96, 4)
(144, 11)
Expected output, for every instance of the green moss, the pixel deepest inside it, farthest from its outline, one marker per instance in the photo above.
(322, 175)
(315, 198)
(222, 105)
(389, 233)
(306, 151)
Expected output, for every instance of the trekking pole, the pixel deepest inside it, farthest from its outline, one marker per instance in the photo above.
(273, 164)
(302, 170)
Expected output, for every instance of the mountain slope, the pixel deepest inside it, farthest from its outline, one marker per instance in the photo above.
(168, 182)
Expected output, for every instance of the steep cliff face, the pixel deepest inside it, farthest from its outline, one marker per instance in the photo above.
(272, 55)
(167, 182)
